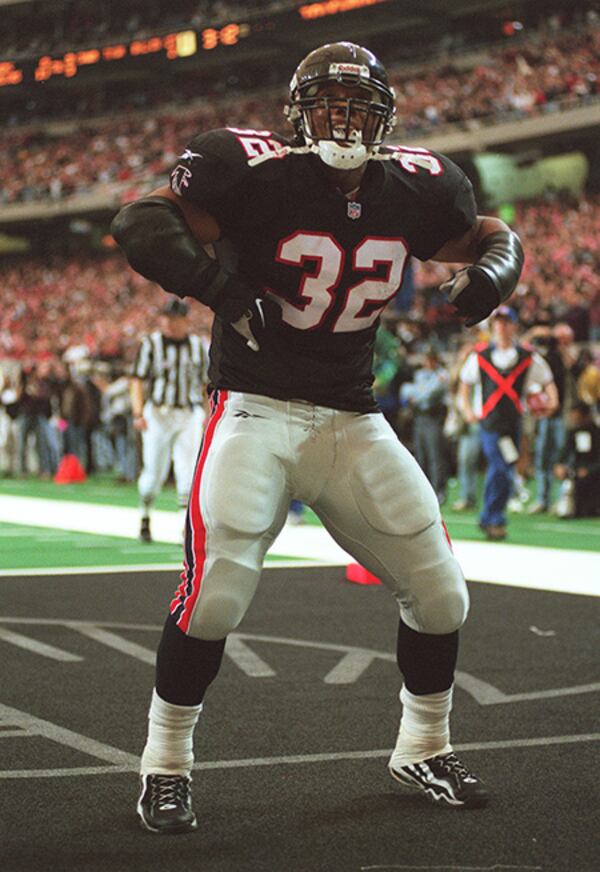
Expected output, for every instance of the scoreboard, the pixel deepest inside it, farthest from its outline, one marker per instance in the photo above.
(171, 46)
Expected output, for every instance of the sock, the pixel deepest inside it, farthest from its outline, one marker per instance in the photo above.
(426, 661)
(169, 747)
(424, 727)
(145, 506)
(185, 666)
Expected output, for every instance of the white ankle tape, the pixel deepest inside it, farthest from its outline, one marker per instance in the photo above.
(424, 727)
(170, 745)
(428, 715)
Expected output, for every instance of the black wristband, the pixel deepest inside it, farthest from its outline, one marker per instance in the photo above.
(501, 259)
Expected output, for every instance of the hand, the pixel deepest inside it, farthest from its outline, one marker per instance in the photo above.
(582, 472)
(242, 326)
(470, 416)
(140, 423)
(560, 471)
(472, 293)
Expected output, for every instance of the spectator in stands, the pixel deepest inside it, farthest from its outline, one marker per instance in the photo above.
(428, 395)
(118, 420)
(127, 153)
(556, 346)
(588, 382)
(77, 414)
(34, 406)
(466, 432)
(594, 310)
(9, 408)
(505, 371)
(580, 461)
(390, 368)
(577, 315)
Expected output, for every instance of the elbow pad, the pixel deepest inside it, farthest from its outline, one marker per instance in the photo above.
(477, 290)
(501, 259)
(159, 245)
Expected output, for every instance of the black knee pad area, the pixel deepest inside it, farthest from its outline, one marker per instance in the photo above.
(427, 661)
(185, 666)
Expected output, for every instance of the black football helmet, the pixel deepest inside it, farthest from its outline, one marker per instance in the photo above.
(339, 144)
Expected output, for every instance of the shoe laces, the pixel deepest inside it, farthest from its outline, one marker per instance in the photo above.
(452, 764)
(168, 790)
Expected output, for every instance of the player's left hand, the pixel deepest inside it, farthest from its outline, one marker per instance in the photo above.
(472, 293)
(242, 325)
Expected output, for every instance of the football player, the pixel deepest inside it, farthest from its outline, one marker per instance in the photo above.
(312, 236)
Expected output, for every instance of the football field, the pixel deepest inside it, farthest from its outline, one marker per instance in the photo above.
(292, 747)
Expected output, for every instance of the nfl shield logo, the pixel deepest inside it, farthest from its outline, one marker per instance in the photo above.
(354, 210)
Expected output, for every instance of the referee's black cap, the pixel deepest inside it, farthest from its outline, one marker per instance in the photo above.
(175, 308)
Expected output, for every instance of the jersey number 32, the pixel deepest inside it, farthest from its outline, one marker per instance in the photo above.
(323, 259)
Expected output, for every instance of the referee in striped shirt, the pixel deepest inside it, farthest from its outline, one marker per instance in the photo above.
(168, 403)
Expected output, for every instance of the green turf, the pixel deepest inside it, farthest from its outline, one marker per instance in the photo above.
(539, 530)
(544, 531)
(41, 548)
(101, 489)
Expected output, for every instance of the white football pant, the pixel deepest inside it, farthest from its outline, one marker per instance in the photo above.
(365, 486)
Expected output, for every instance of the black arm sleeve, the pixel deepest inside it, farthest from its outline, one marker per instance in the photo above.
(159, 245)
(501, 259)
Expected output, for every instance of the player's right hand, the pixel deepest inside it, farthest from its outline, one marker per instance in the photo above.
(140, 423)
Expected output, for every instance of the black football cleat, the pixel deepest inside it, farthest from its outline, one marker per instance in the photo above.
(145, 534)
(165, 804)
(444, 779)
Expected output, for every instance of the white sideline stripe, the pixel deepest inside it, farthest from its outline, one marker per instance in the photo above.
(551, 569)
(118, 643)
(38, 647)
(246, 659)
(252, 762)
(88, 570)
(39, 727)
(143, 567)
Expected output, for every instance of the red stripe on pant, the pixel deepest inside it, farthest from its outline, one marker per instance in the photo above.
(447, 535)
(187, 592)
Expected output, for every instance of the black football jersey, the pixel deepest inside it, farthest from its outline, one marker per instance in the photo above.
(324, 265)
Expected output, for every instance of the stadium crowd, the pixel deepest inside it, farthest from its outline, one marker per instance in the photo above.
(36, 27)
(70, 326)
(69, 330)
(543, 74)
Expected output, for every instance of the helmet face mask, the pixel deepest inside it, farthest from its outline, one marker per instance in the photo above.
(340, 103)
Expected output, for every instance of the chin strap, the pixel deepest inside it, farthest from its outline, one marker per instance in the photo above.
(343, 157)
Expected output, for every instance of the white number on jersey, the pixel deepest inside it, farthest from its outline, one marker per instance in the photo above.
(316, 292)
